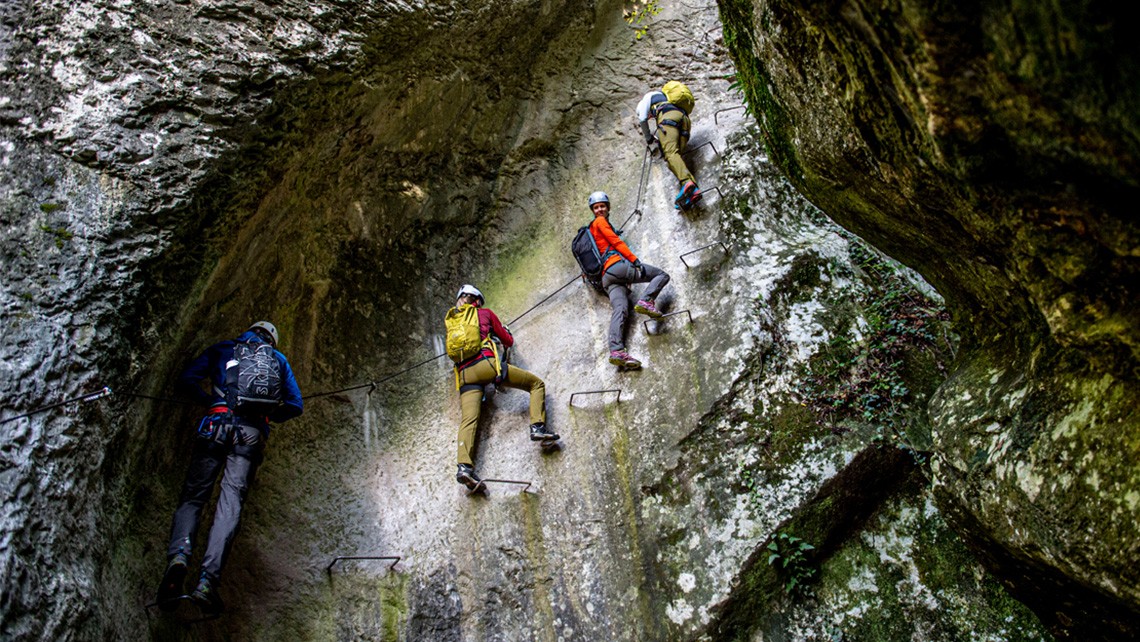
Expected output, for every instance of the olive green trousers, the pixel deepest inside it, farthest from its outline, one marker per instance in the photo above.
(471, 402)
(673, 142)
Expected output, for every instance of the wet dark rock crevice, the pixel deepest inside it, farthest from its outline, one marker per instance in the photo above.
(993, 149)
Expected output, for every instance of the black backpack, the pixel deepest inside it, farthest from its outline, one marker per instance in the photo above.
(253, 380)
(589, 259)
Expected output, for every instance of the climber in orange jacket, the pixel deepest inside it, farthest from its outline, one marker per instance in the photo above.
(620, 268)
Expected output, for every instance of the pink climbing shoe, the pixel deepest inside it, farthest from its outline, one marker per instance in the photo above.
(647, 308)
(623, 361)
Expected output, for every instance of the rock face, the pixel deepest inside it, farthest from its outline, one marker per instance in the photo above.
(174, 171)
(994, 149)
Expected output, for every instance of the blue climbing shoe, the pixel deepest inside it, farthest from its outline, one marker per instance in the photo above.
(206, 596)
(685, 196)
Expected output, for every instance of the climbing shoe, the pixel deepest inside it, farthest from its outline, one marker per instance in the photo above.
(539, 432)
(206, 596)
(647, 308)
(171, 587)
(693, 198)
(621, 359)
(466, 476)
(685, 196)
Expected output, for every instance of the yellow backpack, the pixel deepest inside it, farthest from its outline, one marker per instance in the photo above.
(678, 94)
(463, 340)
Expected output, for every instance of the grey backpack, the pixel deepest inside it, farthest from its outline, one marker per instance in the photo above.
(253, 380)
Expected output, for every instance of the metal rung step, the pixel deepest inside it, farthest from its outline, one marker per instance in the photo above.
(666, 316)
(595, 392)
(395, 560)
(703, 247)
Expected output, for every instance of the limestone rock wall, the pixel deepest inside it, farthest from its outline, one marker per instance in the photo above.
(177, 170)
(135, 160)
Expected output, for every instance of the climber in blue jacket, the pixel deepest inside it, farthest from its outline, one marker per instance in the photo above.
(251, 384)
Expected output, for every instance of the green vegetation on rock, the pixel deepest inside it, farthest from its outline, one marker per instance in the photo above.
(864, 377)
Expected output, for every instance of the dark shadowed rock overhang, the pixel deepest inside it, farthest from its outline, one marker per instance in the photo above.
(994, 148)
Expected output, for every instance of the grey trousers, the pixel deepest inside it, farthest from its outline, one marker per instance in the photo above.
(240, 460)
(616, 282)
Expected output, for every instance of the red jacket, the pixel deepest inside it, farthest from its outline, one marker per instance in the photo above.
(607, 239)
(489, 324)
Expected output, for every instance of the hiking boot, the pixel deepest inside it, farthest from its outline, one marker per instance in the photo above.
(647, 308)
(621, 359)
(466, 476)
(685, 196)
(539, 432)
(206, 596)
(172, 586)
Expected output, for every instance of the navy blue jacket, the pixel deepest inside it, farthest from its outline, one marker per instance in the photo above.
(211, 366)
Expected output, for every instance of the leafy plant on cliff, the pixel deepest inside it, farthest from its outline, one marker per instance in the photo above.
(637, 14)
(788, 555)
(736, 87)
(864, 378)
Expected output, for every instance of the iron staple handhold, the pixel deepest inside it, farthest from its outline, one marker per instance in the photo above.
(704, 247)
(395, 560)
(665, 316)
(509, 481)
(594, 392)
(719, 111)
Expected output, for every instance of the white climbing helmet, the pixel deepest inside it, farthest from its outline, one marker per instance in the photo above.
(472, 290)
(268, 327)
(599, 197)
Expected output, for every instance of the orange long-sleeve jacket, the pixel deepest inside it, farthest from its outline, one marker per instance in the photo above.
(607, 241)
